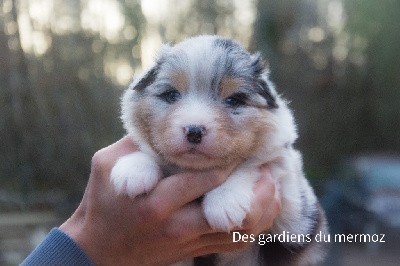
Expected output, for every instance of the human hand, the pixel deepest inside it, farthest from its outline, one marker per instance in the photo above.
(266, 204)
(163, 227)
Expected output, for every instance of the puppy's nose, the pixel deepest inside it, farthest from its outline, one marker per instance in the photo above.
(194, 133)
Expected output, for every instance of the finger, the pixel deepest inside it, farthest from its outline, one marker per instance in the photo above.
(173, 192)
(264, 193)
(201, 246)
(266, 221)
(104, 159)
(220, 248)
(188, 223)
(218, 242)
(221, 242)
(269, 214)
(215, 238)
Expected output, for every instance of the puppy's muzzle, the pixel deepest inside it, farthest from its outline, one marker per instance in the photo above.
(194, 133)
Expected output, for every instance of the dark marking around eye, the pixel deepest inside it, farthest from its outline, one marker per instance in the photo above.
(171, 95)
(236, 100)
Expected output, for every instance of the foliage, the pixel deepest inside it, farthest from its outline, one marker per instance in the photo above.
(336, 61)
(338, 64)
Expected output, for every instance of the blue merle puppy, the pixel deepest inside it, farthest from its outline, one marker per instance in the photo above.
(205, 103)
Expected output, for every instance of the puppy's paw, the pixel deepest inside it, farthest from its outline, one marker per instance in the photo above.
(225, 207)
(135, 174)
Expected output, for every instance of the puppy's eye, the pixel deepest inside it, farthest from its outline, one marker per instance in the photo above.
(236, 100)
(170, 96)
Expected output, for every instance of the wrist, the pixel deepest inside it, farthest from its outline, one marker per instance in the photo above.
(75, 229)
(57, 249)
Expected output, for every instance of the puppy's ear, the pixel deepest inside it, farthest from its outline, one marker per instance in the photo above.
(264, 86)
(146, 78)
(150, 74)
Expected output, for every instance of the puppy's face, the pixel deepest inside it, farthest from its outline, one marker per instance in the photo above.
(205, 103)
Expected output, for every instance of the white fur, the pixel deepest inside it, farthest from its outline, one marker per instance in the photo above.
(226, 206)
(134, 174)
(197, 66)
(194, 112)
(127, 110)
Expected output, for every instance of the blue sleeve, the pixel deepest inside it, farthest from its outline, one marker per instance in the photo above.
(57, 249)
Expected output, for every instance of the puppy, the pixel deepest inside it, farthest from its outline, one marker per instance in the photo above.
(204, 104)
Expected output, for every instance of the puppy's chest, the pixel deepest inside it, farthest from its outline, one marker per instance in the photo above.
(170, 169)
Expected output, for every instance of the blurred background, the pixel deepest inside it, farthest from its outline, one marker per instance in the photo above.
(64, 64)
